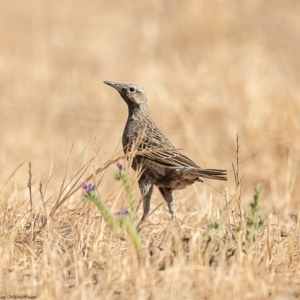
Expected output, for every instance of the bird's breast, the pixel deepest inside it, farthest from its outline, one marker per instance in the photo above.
(130, 133)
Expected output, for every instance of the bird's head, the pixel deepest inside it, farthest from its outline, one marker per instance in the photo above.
(133, 94)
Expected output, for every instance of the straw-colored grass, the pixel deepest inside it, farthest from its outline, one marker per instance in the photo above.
(212, 70)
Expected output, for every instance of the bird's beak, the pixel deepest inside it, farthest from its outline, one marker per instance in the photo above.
(112, 84)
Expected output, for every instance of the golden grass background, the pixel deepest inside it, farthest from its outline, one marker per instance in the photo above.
(211, 69)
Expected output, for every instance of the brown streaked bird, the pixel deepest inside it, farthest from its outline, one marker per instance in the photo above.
(168, 169)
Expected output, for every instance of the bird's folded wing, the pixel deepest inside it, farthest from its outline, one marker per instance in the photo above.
(168, 157)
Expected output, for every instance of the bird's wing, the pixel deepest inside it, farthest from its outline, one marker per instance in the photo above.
(156, 147)
(171, 158)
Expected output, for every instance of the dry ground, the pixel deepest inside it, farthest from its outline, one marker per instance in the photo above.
(211, 69)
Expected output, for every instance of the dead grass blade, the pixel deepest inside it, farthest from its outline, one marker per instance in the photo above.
(11, 175)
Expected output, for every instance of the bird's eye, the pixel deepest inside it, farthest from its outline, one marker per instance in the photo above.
(132, 90)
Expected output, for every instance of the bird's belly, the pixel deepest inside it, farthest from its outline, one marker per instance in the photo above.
(174, 185)
(161, 175)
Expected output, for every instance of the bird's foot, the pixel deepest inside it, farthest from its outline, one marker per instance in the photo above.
(179, 222)
(166, 232)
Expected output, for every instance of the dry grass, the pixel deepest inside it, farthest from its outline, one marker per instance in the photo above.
(211, 70)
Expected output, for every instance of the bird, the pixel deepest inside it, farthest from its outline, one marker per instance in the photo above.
(160, 164)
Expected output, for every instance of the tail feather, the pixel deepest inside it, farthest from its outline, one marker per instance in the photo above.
(199, 173)
(216, 174)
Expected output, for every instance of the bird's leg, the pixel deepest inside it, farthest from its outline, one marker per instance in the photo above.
(146, 191)
(169, 198)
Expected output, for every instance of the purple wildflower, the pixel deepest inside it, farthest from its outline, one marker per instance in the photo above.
(88, 187)
(120, 166)
(122, 212)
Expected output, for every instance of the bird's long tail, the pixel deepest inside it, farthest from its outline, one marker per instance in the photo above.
(199, 173)
(213, 174)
